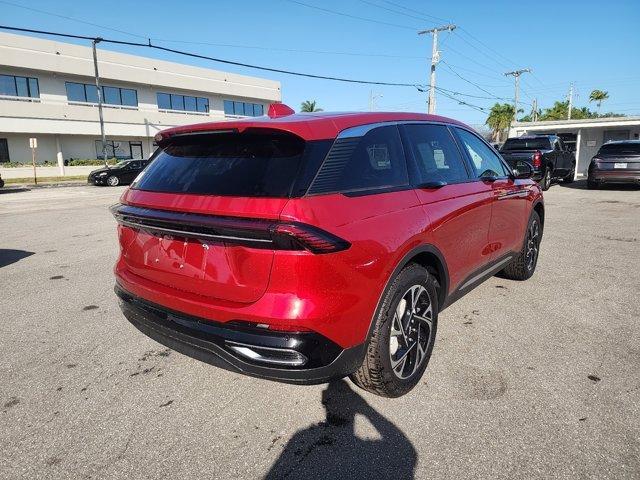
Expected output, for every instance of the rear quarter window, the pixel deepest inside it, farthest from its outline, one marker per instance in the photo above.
(374, 161)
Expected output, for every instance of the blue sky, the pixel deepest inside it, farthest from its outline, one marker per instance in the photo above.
(594, 44)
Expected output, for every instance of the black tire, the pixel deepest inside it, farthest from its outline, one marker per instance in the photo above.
(570, 177)
(523, 266)
(591, 185)
(545, 182)
(377, 374)
(113, 181)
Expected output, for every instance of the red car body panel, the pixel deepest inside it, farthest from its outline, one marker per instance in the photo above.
(467, 224)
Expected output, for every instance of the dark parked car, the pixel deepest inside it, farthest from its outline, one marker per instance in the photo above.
(548, 155)
(122, 173)
(304, 248)
(1, 182)
(615, 162)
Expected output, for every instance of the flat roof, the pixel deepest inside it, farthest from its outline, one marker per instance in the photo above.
(579, 123)
(38, 54)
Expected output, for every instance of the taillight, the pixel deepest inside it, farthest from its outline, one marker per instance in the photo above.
(257, 233)
(311, 238)
(537, 159)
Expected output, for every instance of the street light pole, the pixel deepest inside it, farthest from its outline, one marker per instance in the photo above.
(435, 58)
(99, 91)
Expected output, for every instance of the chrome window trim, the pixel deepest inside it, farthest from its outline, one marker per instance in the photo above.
(362, 130)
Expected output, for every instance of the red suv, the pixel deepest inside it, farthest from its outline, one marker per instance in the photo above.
(308, 247)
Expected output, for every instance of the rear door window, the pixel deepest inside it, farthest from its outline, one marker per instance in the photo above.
(372, 162)
(263, 164)
(436, 154)
(483, 159)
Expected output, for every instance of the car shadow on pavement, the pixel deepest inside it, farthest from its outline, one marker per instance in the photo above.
(9, 256)
(13, 190)
(331, 449)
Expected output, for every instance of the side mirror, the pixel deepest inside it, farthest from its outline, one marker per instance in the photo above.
(522, 170)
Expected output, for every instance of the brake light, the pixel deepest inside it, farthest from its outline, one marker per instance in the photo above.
(311, 238)
(257, 233)
(537, 159)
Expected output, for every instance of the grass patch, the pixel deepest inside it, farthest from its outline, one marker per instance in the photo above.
(29, 180)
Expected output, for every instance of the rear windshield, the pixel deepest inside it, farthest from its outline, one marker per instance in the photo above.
(264, 164)
(527, 144)
(620, 149)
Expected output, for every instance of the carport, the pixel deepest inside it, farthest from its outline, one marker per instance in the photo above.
(585, 136)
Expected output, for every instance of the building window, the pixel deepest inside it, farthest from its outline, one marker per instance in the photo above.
(13, 86)
(183, 103)
(87, 93)
(121, 149)
(4, 151)
(243, 109)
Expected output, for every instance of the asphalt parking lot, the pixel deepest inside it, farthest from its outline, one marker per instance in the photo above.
(527, 380)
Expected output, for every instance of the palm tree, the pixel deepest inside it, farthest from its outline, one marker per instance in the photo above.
(499, 119)
(598, 96)
(309, 106)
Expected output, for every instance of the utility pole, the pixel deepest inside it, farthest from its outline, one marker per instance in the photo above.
(534, 110)
(570, 101)
(95, 65)
(372, 100)
(516, 74)
(435, 58)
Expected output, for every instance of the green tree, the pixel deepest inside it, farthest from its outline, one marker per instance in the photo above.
(598, 96)
(499, 119)
(309, 106)
(559, 111)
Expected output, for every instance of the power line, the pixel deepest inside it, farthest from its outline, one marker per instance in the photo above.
(461, 102)
(367, 2)
(293, 50)
(466, 32)
(71, 18)
(475, 84)
(213, 59)
(193, 42)
(439, 19)
(348, 15)
(502, 64)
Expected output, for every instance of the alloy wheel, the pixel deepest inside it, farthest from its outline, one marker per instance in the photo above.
(411, 332)
(113, 181)
(533, 245)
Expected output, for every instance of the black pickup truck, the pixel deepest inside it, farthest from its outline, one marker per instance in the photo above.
(546, 153)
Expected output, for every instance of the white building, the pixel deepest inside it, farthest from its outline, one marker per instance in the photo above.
(47, 91)
(585, 136)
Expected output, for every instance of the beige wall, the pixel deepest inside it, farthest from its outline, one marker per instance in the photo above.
(54, 63)
(72, 146)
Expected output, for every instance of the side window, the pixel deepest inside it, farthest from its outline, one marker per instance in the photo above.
(556, 146)
(436, 154)
(484, 160)
(374, 161)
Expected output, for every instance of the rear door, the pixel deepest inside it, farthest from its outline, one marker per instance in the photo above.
(506, 231)
(458, 206)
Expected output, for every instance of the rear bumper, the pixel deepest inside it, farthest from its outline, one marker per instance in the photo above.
(614, 176)
(213, 343)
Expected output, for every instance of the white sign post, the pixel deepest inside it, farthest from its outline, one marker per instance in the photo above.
(33, 143)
